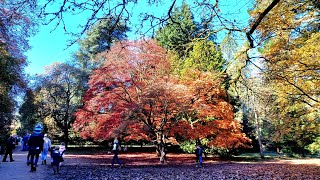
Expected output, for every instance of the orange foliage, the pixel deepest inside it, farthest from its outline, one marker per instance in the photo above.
(135, 96)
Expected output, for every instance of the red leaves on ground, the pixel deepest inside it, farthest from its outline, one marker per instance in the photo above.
(182, 166)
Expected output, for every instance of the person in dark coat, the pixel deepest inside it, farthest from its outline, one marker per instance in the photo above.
(56, 156)
(35, 144)
(10, 145)
(25, 142)
(198, 152)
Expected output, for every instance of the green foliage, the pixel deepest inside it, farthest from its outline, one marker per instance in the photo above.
(100, 38)
(28, 112)
(190, 47)
(221, 152)
(59, 94)
(204, 56)
(315, 146)
(180, 30)
(11, 84)
(11, 78)
(188, 146)
(17, 24)
(298, 132)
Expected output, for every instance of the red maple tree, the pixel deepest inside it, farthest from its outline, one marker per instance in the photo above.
(136, 96)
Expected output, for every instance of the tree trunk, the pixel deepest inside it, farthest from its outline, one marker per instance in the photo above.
(259, 135)
(66, 136)
(303, 152)
(161, 146)
(66, 131)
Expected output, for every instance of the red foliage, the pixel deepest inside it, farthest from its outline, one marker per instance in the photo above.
(17, 25)
(135, 96)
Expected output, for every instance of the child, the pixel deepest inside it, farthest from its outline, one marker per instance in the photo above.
(198, 156)
(56, 158)
(62, 149)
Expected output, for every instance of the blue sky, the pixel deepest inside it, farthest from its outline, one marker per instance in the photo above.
(48, 47)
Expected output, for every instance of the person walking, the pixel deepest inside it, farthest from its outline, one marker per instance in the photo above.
(25, 142)
(46, 148)
(28, 156)
(115, 153)
(56, 159)
(199, 155)
(62, 149)
(10, 145)
(35, 144)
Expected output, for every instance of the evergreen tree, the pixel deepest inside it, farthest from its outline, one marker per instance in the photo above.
(179, 31)
(100, 38)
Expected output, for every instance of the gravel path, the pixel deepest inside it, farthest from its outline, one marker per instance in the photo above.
(18, 170)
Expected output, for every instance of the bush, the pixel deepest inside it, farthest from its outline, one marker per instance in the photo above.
(314, 148)
(188, 146)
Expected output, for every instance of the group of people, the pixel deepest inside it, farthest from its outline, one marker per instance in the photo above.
(37, 144)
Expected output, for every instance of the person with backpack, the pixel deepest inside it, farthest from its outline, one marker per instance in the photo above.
(10, 145)
(35, 144)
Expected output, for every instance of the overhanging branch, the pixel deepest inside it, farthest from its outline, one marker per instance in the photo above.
(258, 21)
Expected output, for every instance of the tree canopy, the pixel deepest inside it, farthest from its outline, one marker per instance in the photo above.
(136, 96)
(16, 25)
(290, 49)
(210, 65)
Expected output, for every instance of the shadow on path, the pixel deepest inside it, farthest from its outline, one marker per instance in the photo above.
(19, 169)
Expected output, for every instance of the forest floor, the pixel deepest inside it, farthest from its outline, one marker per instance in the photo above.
(182, 166)
(147, 166)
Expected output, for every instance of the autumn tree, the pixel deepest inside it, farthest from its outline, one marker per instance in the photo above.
(58, 96)
(99, 38)
(289, 37)
(17, 23)
(192, 47)
(279, 28)
(135, 96)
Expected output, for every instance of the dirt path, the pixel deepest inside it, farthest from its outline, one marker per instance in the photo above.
(19, 170)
